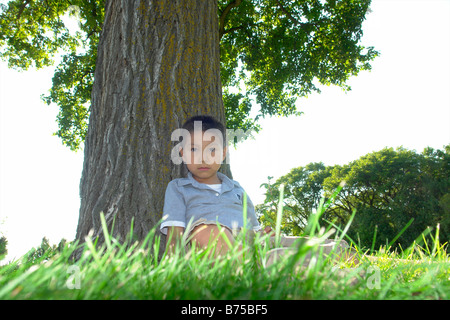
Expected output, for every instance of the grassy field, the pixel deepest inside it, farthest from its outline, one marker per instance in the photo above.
(117, 271)
(134, 271)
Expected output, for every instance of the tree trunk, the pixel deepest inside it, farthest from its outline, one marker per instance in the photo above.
(157, 65)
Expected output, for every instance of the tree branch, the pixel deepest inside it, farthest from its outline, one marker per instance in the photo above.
(231, 30)
(287, 13)
(19, 14)
(224, 15)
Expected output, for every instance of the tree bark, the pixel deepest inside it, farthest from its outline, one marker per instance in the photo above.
(157, 65)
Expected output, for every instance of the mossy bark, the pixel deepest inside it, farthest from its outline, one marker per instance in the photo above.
(157, 65)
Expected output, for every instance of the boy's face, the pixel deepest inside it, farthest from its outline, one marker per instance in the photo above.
(203, 157)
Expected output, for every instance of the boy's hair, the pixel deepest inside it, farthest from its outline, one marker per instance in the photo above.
(208, 122)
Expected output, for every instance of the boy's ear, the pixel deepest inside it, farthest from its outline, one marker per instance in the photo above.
(224, 156)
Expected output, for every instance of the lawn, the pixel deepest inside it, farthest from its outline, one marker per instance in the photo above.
(137, 270)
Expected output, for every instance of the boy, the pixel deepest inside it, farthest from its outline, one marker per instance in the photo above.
(206, 197)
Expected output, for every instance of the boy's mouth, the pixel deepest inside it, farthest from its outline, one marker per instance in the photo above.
(203, 168)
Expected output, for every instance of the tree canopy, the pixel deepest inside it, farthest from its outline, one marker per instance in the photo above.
(272, 52)
(387, 189)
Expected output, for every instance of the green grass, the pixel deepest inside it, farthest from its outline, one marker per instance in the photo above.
(134, 271)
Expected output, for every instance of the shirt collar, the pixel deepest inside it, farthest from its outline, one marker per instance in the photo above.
(227, 183)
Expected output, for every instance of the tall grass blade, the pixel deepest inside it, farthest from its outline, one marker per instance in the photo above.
(105, 230)
(347, 226)
(400, 233)
(244, 212)
(436, 241)
(313, 224)
(279, 216)
(374, 239)
(418, 240)
(244, 218)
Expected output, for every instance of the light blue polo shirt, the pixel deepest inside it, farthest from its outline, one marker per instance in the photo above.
(187, 199)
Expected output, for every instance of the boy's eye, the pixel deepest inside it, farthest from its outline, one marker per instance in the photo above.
(212, 149)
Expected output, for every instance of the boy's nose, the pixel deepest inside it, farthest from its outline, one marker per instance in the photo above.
(198, 158)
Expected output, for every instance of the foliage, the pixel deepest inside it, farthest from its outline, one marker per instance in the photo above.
(272, 51)
(33, 33)
(283, 46)
(388, 189)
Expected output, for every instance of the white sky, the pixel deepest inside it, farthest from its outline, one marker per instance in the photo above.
(403, 101)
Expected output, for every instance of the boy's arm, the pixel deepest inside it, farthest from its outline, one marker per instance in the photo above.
(173, 238)
(174, 215)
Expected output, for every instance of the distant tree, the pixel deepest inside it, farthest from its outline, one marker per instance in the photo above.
(302, 193)
(444, 203)
(387, 189)
(3, 243)
(44, 251)
(390, 187)
(3, 246)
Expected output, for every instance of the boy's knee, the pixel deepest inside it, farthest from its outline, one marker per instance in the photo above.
(203, 235)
